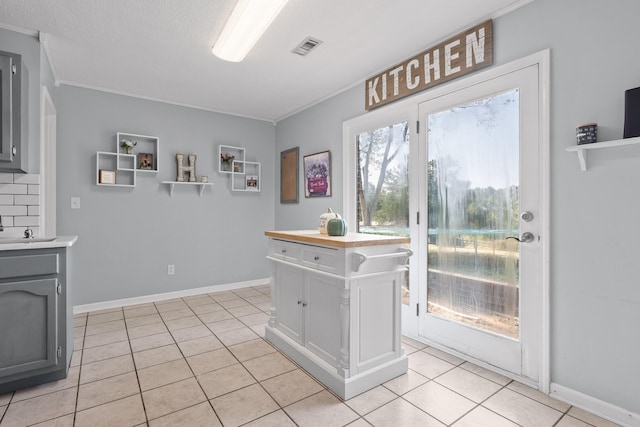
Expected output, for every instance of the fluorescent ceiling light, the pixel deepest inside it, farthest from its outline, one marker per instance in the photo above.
(248, 21)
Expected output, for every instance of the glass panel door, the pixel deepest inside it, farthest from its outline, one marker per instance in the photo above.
(479, 286)
(473, 201)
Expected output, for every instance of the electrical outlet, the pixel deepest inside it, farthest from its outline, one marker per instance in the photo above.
(75, 203)
(171, 269)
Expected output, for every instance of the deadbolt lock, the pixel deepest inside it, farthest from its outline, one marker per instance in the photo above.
(526, 216)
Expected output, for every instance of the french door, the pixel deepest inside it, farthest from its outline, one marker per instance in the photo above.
(481, 292)
(468, 184)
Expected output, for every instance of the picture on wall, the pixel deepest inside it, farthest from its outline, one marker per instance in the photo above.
(145, 161)
(289, 175)
(317, 175)
(252, 182)
(107, 177)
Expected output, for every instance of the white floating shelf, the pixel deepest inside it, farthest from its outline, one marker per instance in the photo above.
(172, 184)
(581, 150)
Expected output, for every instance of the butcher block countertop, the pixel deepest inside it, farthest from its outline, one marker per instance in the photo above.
(351, 240)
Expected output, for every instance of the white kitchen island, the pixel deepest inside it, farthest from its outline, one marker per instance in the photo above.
(335, 306)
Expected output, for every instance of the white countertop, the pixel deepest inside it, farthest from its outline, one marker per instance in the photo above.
(58, 242)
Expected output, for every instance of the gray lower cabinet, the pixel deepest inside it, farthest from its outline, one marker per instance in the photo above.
(36, 339)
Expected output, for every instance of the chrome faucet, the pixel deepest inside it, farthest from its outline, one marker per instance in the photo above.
(28, 233)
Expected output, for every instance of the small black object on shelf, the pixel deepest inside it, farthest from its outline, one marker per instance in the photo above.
(587, 133)
(632, 113)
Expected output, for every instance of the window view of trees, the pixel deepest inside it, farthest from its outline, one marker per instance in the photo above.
(383, 180)
(473, 205)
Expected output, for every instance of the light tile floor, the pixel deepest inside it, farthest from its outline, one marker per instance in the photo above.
(202, 361)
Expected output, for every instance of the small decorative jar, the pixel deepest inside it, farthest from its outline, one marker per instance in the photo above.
(324, 219)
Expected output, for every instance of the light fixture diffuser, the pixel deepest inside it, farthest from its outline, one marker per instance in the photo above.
(248, 21)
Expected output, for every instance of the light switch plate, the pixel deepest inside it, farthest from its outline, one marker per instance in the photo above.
(75, 203)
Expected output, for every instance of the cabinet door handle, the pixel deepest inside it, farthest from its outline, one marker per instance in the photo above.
(304, 304)
(284, 251)
(316, 258)
(299, 302)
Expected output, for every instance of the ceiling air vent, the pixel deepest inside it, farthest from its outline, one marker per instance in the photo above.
(307, 45)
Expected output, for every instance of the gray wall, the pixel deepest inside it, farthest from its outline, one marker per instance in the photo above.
(29, 48)
(127, 237)
(595, 291)
(316, 129)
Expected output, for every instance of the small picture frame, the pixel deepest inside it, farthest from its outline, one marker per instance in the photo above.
(107, 176)
(145, 161)
(317, 174)
(252, 182)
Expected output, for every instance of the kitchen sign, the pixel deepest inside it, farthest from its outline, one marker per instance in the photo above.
(464, 53)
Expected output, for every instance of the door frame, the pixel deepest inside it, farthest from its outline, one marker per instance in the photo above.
(407, 109)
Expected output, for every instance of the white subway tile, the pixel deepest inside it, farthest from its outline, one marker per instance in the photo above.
(13, 210)
(26, 178)
(6, 199)
(13, 189)
(33, 189)
(12, 232)
(26, 200)
(6, 178)
(23, 221)
(33, 210)
(7, 221)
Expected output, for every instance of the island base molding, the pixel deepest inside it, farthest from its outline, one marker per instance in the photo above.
(346, 388)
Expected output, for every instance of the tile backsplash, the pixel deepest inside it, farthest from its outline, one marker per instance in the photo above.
(19, 203)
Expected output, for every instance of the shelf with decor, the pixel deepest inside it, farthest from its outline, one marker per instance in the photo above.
(144, 148)
(227, 155)
(201, 185)
(249, 180)
(115, 169)
(581, 150)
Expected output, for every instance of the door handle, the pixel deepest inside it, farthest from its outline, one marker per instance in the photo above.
(526, 237)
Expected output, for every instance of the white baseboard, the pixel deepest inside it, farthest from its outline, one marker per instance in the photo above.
(595, 406)
(168, 295)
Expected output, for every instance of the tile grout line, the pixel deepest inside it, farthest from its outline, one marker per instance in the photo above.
(195, 377)
(75, 407)
(185, 359)
(251, 374)
(259, 383)
(135, 367)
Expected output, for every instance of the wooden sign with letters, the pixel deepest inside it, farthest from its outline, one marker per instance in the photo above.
(464, 53)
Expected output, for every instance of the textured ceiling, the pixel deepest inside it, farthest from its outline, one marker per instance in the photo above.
(161, 49)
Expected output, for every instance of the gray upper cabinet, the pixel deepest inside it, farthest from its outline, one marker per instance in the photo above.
(13, 90)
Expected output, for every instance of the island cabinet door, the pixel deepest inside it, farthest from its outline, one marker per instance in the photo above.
(289, 295)
(322, 316)
(28, 312)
